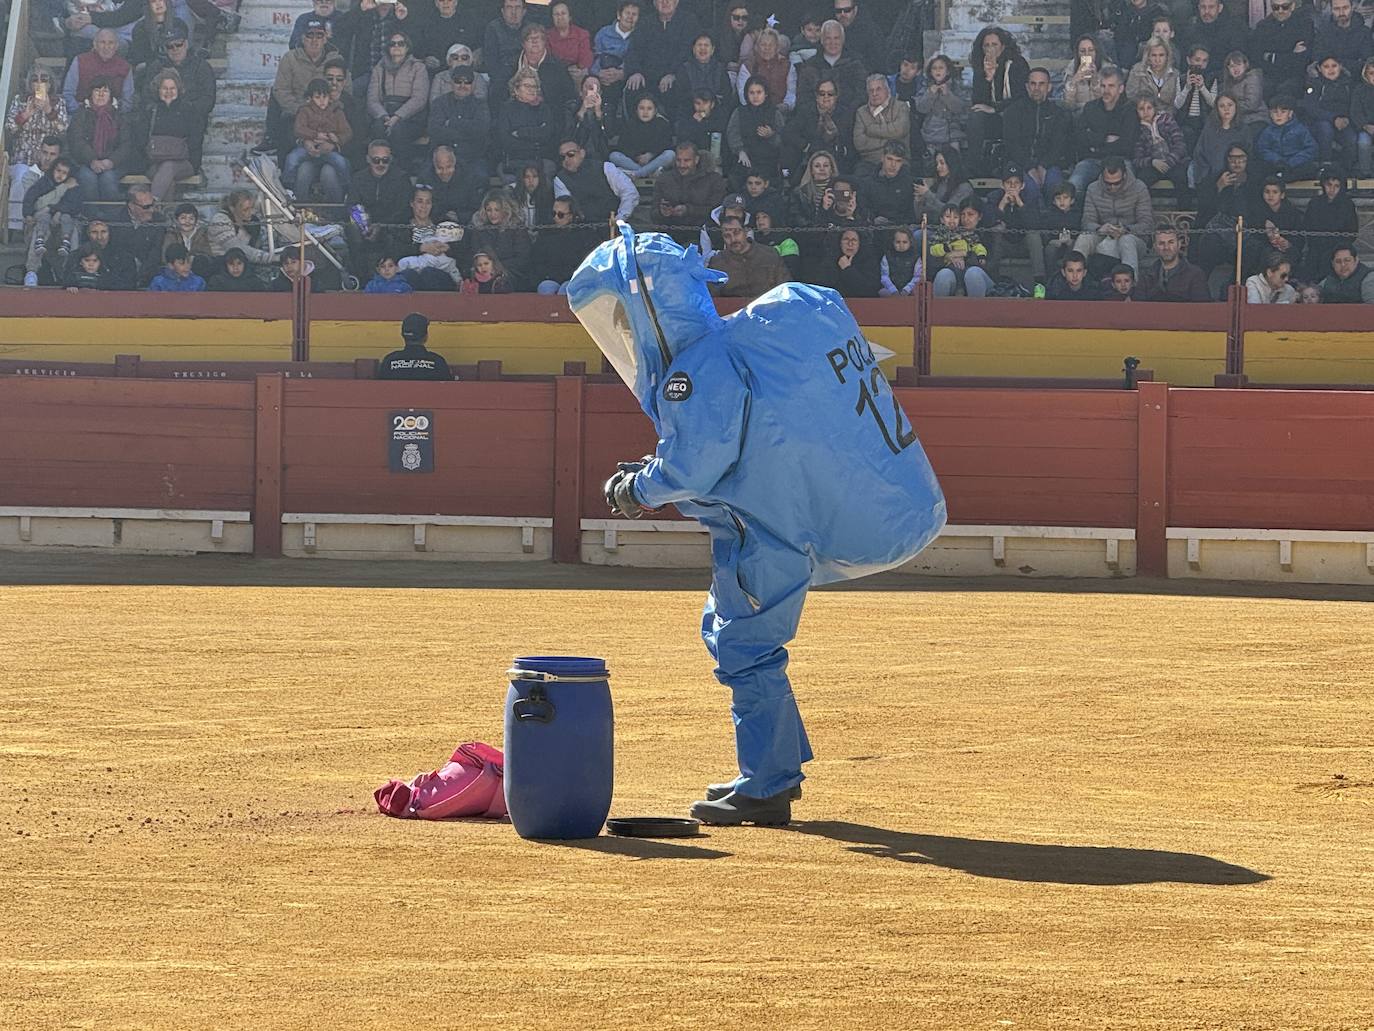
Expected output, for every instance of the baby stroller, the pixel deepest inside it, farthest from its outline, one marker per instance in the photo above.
(286, 224)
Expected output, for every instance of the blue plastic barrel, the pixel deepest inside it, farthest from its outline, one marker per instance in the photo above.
(560, 752)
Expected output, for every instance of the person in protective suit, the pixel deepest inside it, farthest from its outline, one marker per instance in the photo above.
(779, 433)
(415, 360)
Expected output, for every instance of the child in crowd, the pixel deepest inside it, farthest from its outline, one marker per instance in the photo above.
(943, 108)
(946, 231)
(1285, 146)
(87, 271)
(1122, 280)
(901, 265)
(487, 276)
(386, 281)
(445, 232)
(1060, 224)
(322, 132)
(1327, 110)
(52, 205)
(1197, 96)
(177, 276)
(769, 233)
(705, 126)
(188, 230)
(234, 276)
(646, 142)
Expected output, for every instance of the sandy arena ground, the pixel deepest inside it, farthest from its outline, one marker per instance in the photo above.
(1033, 806)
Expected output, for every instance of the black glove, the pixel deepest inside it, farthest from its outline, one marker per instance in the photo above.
(619, 491)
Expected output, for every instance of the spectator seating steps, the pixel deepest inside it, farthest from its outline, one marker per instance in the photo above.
(136, 180)
(58, 66)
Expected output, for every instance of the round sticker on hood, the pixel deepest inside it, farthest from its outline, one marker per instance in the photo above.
(678, 387)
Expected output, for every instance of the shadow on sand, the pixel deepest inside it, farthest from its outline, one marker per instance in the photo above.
(642, 848)
(1018, 861)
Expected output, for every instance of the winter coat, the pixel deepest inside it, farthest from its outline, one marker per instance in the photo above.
(1327, 216)
(81, 139)
(409, 79)
(1327, 99)
(59, 198)
(1166, 142)
(1271, 47)
(1362, 104)
(1350, 45)
(510, 245)
(1186, 283)
(1249, 93)
(655, 48)
(464, 125)
(1096, 123)
(1141, 83)
(174, 119)
(1129, 207)
(1286, 146)
(386, 197)
(652, 137)
(1288, 220)
(873, 130)
(311, 122)
(888, 197)
(700, 192)
(1008, 82)
(527, 132)
(1036, 134)
(295, 72)
(944, 116)
(168, 282)
(198, 88)
(224, 235)
(751, 274)
(1209, 156)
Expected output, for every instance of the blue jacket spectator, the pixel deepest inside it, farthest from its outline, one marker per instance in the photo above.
(177, 277)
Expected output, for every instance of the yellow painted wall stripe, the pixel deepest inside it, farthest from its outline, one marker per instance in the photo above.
(1298, 357)
(1182, 358)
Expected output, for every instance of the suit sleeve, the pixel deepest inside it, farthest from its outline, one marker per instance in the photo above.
(700, 436)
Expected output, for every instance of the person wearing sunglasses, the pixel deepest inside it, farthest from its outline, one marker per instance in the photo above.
(198, 89)
(1281, 46)
(397, 96)
(1272, 285)
(151, 32)
(383, 192)
(861, 37)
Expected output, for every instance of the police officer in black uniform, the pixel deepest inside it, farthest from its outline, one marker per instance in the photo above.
(415, 360)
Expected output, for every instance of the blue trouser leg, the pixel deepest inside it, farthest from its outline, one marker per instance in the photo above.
(758, 589)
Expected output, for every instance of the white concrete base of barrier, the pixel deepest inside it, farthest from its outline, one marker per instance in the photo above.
(146, 531)
(433, 537)
(1032, 551)
(1291, 556)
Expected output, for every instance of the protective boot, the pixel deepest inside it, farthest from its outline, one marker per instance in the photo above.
(736, 809)
(715, 792)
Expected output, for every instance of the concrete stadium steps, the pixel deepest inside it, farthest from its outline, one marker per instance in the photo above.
(1041, 28)
(239, 120)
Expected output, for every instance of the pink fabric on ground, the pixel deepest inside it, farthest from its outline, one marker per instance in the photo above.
(471, 783)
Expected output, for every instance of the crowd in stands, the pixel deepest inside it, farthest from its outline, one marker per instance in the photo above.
(483, 146)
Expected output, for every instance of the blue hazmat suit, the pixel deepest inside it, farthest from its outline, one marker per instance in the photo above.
(779, 433)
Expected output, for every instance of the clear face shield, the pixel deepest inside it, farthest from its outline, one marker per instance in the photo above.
(606, 321)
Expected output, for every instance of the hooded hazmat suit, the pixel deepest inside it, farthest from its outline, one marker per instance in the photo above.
(779, 433)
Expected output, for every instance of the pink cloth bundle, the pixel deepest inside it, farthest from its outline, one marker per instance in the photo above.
(470, 784)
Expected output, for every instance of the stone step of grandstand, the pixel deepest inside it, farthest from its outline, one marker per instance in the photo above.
(233, 130)
(1040, 28)
(253, 55)
(244, 93)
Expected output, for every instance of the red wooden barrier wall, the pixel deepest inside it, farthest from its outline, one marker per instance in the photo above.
(126, 444)
(1040, 458)
(1289, 459)
(493, 448)
(1147, 459)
